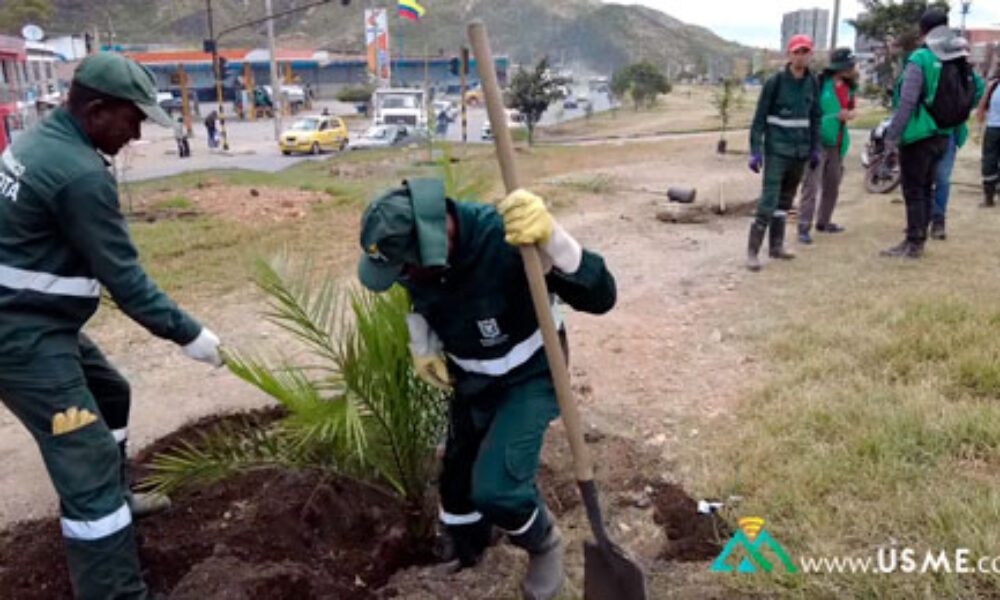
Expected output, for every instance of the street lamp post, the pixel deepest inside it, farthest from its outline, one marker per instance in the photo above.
(965, 11)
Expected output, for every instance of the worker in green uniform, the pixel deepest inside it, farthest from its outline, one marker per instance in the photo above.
(62, 240)
(473, 329)
(783, 139)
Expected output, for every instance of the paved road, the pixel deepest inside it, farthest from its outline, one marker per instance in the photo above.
(252, 145)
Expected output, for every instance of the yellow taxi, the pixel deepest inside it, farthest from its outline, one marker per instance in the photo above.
(314, 135)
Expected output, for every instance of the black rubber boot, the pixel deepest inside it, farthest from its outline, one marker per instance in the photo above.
(938, 231)
(753, 246)
(906, 249)
(777, 240)
(989, 195)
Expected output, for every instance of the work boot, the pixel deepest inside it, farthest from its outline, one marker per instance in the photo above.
(937, 231)
(906, 249)
(141, 504)
(147, 504)
(545, 569)
(804, 237)
(753, 246)
(831, 228)
(989, 194)
(777, 241)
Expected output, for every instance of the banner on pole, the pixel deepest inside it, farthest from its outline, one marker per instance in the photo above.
(377, 40)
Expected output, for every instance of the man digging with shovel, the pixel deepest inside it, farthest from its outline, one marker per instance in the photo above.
(62, 240)
(474, 330)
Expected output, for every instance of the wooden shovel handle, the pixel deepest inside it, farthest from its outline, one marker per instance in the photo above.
(532, 262)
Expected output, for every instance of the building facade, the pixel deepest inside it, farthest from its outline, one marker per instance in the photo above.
(814, 22)
(13, 57)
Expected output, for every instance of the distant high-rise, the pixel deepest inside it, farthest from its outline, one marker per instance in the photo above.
(862, 43)
(814, 22)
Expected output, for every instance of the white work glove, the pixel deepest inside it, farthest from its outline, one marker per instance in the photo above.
(204, 348)
(427, 352)
(527, 221)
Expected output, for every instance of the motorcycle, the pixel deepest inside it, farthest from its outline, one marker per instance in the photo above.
(882, 171)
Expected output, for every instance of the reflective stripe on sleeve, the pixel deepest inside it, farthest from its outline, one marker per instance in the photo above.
(789, 123)
(526, 527)
(46, 283)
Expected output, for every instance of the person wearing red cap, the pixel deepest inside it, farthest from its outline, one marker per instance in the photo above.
(784, 137)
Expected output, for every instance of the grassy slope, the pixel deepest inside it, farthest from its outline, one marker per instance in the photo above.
(878, 422)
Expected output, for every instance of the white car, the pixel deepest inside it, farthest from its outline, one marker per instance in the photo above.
(515, 120)
(294, 93)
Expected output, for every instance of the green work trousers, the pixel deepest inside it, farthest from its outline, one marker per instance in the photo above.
(490, 463)
(84, 462)
(781, 180)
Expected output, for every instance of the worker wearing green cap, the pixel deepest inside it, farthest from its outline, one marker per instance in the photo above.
(473, 329)
(62, 240)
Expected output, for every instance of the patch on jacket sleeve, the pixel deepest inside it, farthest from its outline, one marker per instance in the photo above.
(71, 420)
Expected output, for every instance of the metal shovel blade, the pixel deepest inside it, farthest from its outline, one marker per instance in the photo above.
(608, 574)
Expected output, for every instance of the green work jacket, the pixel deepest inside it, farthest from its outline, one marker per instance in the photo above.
(63, 239)
(481, 307)
(787, 120)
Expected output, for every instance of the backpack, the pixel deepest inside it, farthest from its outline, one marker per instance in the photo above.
(956, 95)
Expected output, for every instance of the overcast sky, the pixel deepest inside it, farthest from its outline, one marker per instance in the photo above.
(758, 23)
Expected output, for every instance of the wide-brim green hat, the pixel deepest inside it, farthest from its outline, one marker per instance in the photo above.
(121, 77)
(405, 226)
(842, 59)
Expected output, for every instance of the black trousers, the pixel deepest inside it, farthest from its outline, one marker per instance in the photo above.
(919, 165)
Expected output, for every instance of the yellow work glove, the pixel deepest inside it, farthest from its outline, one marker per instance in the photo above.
(433, 370)
(525, 219)
(427, 352)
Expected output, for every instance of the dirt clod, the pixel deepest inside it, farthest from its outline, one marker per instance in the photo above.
(691, 536)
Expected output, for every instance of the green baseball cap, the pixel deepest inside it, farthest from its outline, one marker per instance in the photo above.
(405, 226)
(120, 76)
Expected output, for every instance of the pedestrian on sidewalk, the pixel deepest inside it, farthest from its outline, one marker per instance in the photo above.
(211, 123)
(783, 140)
(473, 331)
(836, 100)
(989, 112)
(938, 80)
(180, 136)
(63, 244)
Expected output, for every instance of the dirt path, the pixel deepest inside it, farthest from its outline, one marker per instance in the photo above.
(653, 371)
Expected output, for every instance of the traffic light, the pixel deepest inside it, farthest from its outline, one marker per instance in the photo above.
(455, 66)
(223, 65)
(465, 58)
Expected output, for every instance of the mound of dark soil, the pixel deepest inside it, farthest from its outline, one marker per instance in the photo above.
(272, 533)
(691, 536)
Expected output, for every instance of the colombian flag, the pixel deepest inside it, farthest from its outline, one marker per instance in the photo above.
(410, 9)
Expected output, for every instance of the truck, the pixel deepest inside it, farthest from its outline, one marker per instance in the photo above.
(400, 106)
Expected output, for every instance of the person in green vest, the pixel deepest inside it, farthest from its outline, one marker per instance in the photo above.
(473, 331)
(922, 143)
(63, 241)
(836, 101)
(784, 138)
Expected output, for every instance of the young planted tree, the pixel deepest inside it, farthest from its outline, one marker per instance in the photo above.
(642, 81)
(727, 99)
(531, 92)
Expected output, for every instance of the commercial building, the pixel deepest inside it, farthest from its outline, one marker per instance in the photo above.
(12, 75)
(814, 22)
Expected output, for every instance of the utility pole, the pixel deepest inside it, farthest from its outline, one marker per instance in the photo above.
(965, 12)
(218, 76)
(836, 24)
(275, 84)
(465, 76)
